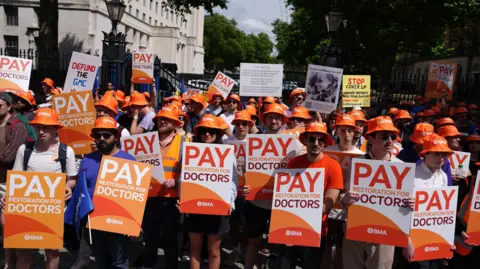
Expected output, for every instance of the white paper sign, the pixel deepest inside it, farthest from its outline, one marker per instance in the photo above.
(81, 72)
(261, 79)
(323, 88)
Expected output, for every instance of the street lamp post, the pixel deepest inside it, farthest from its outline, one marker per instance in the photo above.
(332, 55)
(114, 45)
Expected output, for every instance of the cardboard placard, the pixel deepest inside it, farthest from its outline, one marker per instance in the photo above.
(261, 79)
(146, 149)
(380, 216)
(34, 209)
(460, 158)
(14, 74)
(240, 154)
(222, 84)
(473, 225)
(76, 112)
(323, 88)
(356, 91)
(265, 154)
(297, 207)
(207, 175)
(441, 80)
(82, 72)
(142, 67)
(120, 196)
(433, 223)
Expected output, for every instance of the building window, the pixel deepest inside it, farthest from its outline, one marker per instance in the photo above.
(144, 3)
(130, 9)
(144, 17)
(171, 15)
(166, 11)
(151, 2)
(137, 14)
(11, 14)
(150, 20)
(176, 19)
(11, 45)
(156, 7)
(156, 22)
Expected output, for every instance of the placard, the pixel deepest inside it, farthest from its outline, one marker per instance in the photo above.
(460, 158)
(142, 67)
(433, 223)
(265, 154)
(34, 207)
(82, 72)
(207, 175)
(397, 148)
(14, 74)
(381, 215)
(356, 91)
(297, 207)
(222, 84)
(261, 79)
(441, 80)
(323, 88)
(120, 196)
(473, 225)
(146, 149)
(76, 112)
(239, 149)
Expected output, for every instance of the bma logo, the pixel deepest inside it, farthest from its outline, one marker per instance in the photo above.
(204, 204)
(376, 231)
(267, 190)
(293, 233)
(431, 249)
(33, 237)
(114, 221)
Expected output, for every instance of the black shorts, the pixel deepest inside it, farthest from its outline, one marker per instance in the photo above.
(237, 219)
(207, 224)
(257, 220)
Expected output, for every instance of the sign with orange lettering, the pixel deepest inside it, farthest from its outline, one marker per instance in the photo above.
(265, 154)
(76, 112)
(120, 196)
(34, 206)
(222, 85)
(207, 176)
(142, 67)
(239, 147)
(146, 149)
(460, 158)
(433, 223)
(441, 80)
(14, 74)
(473, 225)
(380, 216)
(297, 205)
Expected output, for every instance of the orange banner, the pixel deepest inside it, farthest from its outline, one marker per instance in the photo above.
(76, 112)
(120, 196)
(34, 206)
(473, 225)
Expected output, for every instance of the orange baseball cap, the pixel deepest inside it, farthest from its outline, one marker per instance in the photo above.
(421, 133)
(175, 98)
(393, 110)
(472, 106)
(138, 99)
(448, 131)
(436, 143)
(473, 137)
(358, 115)
(300, 112)
(252, 110)
(46, 116)
(345, 120)
(297, 91)
(461, 110)
(445, 121)
(316, 127)
(49, 82)
(169, 112)
(106, 123)
(211, 122)
(27, 96)
(197, 98)
(109, 93)
(269, 99)
(275, 109)
(243, 115)
(108, 102)
(119, 95)
(382, 123)
(252, 100)
(234, 97)
(402, 114)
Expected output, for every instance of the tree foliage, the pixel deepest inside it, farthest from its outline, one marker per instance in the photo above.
(226, 46)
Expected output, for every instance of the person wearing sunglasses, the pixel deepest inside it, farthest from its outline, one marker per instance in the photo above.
(464, 125)
(381, 136)
(233, 105)
(315, 138)
(360, 121)
(215, 107)
(297, 98)
(299, 117)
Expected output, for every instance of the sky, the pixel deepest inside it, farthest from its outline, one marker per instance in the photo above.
(256, 16)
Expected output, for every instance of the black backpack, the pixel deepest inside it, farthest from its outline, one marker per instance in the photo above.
(62, 155)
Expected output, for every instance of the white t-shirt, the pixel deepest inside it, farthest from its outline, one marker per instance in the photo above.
(335, 148)
(45, 161)
(125, 132)
(425, 178)
(147, 122)
(228, 118)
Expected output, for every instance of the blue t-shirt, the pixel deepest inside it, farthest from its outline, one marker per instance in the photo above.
(91, 164)
(416, 109)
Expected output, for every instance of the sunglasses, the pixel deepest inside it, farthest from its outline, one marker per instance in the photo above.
(297, 119)
(392, 137)
(208, 131)
(181, 118)
(241, 123)
(299, 98)
(232, 102)
(312, 140)
(267, 103)
(100, 135)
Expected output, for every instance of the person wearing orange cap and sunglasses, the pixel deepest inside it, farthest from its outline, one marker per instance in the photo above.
(299, 117)
(24, 104)
(252, 102)
(44, 98)
(234, 104)
(215, 107)
(297, 98)
(464, 125)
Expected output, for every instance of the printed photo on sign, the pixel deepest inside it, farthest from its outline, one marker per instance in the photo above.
(142, 67)
(441, 80)
(297, 205)
(207, 174)
(261, 79)
(34, 210)
(222, 84)
(14, 74)
(433, 223)
(381, 215)
(146, 149)
(82, 72)
(356, 91)
(472, 219)
(323, 88)
(120, 196)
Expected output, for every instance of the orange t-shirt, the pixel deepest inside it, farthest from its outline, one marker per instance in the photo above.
(333, 176)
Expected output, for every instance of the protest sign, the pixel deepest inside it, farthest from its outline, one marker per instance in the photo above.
(460, 158)
(120, 196)
(433, 223)
(296, 132)
(239, 149)
(146, 149)
(297, 205)
(323, 88)
(76, 112)
(261, 79)
(82, 72)
(222, 84)
(265, 154)
(356, 91)
(14, 74)
(34, 206)
(397, 147)
(441, 80)
(473, 225)
(380, 215)
(142, 67)
(207, 176)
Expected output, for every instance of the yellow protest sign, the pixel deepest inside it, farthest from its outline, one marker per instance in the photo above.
(356, 91)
